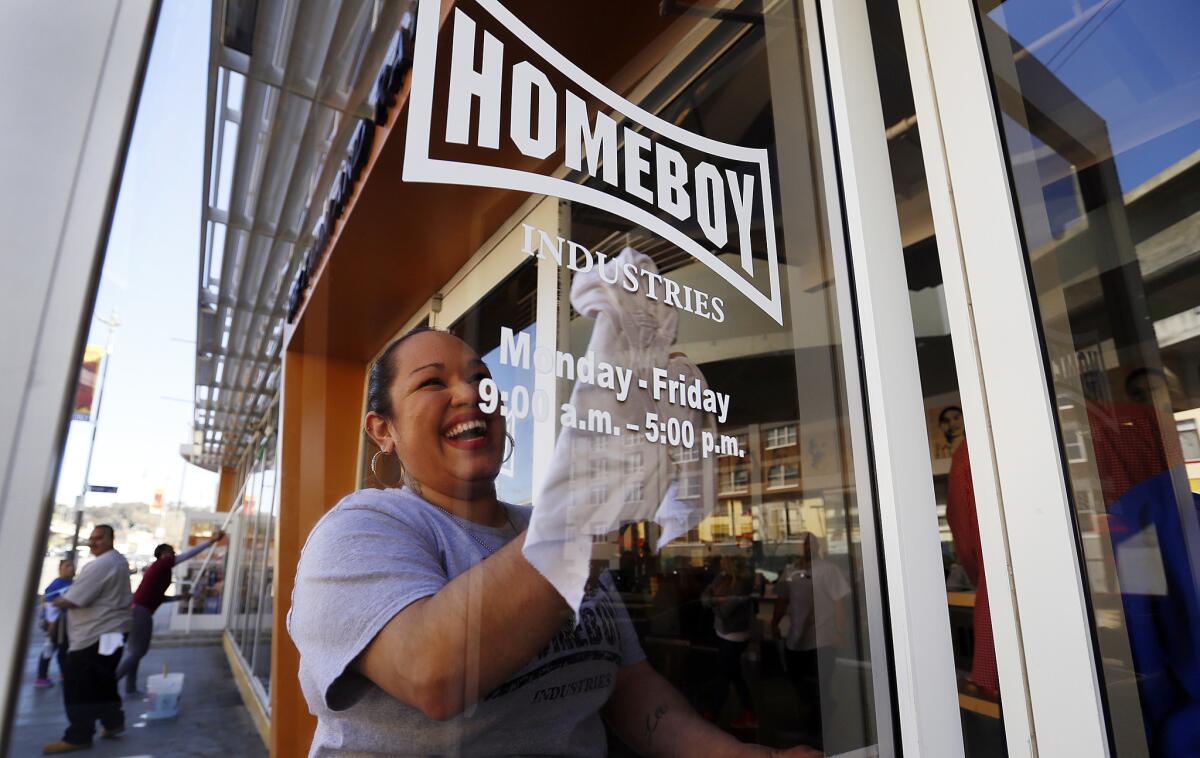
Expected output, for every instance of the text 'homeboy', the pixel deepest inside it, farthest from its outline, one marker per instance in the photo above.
(700, 192)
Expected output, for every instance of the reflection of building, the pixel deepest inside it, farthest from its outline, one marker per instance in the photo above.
(760, 496)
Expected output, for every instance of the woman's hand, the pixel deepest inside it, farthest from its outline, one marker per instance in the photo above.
(653, 718)
(760, 751)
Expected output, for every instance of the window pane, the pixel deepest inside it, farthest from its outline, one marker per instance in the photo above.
(1100, 109)
(262, 645)
(511, 303)
(803, 637)
(245, 561)
(207, 589)
(659, 415)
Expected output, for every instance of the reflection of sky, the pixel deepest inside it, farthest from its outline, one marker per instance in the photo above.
(515, 483)
(1134, 62)
(149, 279)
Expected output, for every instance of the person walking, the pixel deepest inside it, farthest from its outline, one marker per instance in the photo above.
(152, 593)
(54, 624)
(98, 617)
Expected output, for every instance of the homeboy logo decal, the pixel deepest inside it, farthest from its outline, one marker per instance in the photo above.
(709, 198)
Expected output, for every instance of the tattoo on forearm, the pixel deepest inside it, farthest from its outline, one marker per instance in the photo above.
(652, 722)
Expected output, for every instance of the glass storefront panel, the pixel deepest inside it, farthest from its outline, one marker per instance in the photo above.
(261, 665)
(250, 620)
(240, 615)
(255, 560)
(1100, 111)
(717, 490)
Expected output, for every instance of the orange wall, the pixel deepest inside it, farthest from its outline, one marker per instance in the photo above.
(320, 421)
(227, 489)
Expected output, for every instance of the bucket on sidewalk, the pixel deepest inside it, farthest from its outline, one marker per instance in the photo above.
(163, 691)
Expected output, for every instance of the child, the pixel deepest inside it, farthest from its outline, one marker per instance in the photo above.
(54, 623)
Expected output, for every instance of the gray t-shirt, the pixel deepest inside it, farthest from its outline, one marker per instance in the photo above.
(102, 592)
(378, 551)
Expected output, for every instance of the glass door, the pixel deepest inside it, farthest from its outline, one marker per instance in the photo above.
(682, 372)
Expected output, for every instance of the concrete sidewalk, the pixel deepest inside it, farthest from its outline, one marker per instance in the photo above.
(212, 720)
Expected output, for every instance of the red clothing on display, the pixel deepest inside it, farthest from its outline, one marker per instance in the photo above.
(155, 581)
(964, 525)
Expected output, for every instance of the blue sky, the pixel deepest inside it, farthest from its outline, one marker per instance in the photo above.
(149, 279)
(1135, 63)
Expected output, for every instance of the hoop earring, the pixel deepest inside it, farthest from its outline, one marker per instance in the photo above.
(378, 478)
(512, 446)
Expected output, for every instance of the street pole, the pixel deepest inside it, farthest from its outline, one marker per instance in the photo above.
(112, 323)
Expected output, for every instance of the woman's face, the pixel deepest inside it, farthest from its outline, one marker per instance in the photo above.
(445, 442)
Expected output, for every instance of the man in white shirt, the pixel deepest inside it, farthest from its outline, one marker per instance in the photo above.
(98, 617)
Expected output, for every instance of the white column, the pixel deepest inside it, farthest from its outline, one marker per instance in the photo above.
(926, 686)
(1048, 679)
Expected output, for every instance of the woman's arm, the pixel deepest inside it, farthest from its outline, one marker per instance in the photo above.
(444, 652)
(654, 719)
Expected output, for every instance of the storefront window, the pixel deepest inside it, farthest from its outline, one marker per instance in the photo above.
(1100, 113)
(250, 620)
(244, 604)
(261, 660)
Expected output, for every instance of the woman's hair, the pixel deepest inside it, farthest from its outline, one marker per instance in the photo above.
(383, 373)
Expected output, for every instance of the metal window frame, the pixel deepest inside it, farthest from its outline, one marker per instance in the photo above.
(871, 282)
(1044, 651)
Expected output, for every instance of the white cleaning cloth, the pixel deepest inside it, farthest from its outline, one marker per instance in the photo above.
(597, 481)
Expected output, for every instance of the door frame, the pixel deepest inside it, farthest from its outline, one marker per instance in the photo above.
(865, 234)
(1041, 623)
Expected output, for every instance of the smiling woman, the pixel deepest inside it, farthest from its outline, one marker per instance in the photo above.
(414, 401)
(461, 643)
